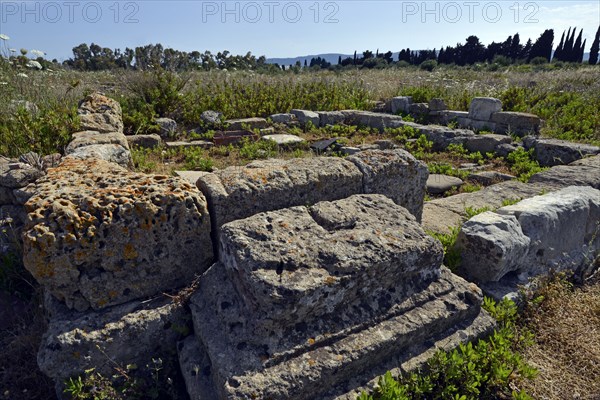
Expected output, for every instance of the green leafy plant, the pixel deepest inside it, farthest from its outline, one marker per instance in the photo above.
(522, 164)
(448, 240)
(261, 149)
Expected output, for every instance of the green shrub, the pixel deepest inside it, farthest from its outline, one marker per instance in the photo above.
(261, 149)
(522, 164)
(428, 65)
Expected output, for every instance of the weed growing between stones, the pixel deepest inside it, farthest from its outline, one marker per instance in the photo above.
(523, 165)
(488, 369)
(451, 253)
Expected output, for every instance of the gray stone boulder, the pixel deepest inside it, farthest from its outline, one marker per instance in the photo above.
(331, 118)
(239, 192)
(284, 139)
(437, 105)
(491, 246)
(284, 118)
(516, 123)
(245, 123)
(503, 150)
(442, 136)
(482, 108)
(578, 173)
(167, 126)
(131, 333)
(211, 118)
(99, 113)
(113, 153)
(551, 152)
(439, 184)
(305, 116)
(401, 104)
(14, 175)
(488, 178)
(88, 138)
(394, 173)
(419, 110)
(379, 121)
(144, 141)
(486, 143)
(99, 235)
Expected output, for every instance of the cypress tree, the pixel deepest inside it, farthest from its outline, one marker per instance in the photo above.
(582, 51)
(595, 49)
(567, 53)
(577, 48)
(559, 49)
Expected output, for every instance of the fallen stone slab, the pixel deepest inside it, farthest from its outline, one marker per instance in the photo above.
(552, 232)
(283, 118)
(349, 150)
(99, 235)
(239, 192)
(306, 116)
(203, 144)
(551, 152)
(144, 141)
(482, 108)
(127, 334)
(394, 173)
(284, 139)
(331, 118)
(585, 173)
(233, 137)
(245, 124)
(516, 123)
(439, 184)
(330, 356)
(99, 113)
(438, 219)
(113, 153)
(87, 138)
(486, 143)
(373, 120)
(323, 145)
(488, 178)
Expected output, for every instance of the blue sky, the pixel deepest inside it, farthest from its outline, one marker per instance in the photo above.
(284, 28)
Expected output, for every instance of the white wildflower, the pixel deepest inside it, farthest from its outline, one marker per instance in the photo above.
(37, 53)
(4, 37)
(34, 64)
(22, 75)
(13, 50)
(3, 83)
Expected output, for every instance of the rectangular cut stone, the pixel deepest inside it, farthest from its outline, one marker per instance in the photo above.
(246, 123)
(239, 192)
(396, 174)
(373, 120)
(517, 123)
(329, 356)
(301, 263)
(331, 117)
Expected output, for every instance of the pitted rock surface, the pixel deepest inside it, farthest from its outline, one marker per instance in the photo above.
(130, 333)
(239, 192)
(99, 235)
(100, 113)
(396, 174)
(300, 263)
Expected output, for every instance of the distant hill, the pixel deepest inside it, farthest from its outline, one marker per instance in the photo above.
(333, 58)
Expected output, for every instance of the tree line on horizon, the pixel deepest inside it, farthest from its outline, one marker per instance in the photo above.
(512, 50)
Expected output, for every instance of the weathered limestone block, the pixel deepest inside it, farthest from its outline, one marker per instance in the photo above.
(442, 136)
(100, 113)
(284, 118)
(419, 110)
(87, 138)
(168, 127)
(113, 153)
(482, 108)
(585, 172)
(289, 263)
(396, 174)
(130, 333)
(563, 226)
(373, 120)
(246, 123)
(491, 246)
(323, 305)
(99, 235)
(401, 104)
(517, 123)
(306, 116)
(438, 184)
(551, 152)
(486, 143)
(14, 175)
(488, 178)
(555, 231)
(437, 105)
(144, 141)
(284, 139)
(239, 192)
(331, 117)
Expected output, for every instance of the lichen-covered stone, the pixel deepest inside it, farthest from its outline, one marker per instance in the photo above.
(396, 174)
(100, 113)
(127, 334)
(100, 235)
(87, 138)
(114, 153)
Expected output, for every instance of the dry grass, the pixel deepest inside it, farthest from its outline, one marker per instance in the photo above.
(567, 343)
